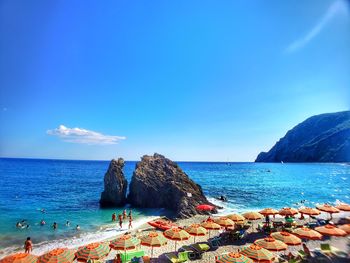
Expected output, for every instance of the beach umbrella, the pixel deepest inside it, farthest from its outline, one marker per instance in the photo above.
(287, 238)
(258, 254)
(330, 230)
(288, 211)
(125, 242)
(343, 207)
(210, 225)
(153, 239)
(196, 230)
(307, 233)
(268, 212)
(176, 234)
(20, 258)
(224, 222)
(204, 207)
(92, 251)
(328, 209)
(58, 255)
(345, 228)
(237, 218)
(309, 211)
(233, 257)
(253, 216)
(271, 244)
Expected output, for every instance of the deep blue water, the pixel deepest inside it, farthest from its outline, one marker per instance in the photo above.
(70, 190)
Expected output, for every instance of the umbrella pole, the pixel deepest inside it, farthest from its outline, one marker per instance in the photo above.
(194, 239)
(152, 252)
(175, 245)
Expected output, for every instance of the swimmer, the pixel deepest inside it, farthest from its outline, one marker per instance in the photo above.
(77, 227)
(42, 222)
(55, 225)
(18, 225)
(67, 223)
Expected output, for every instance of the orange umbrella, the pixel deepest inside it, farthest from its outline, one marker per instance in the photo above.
(307, 233)
(236, 218)
(309, 211)
(343, 207)
(268, 212)
(288, 211)
(176, 234)
(287, 238)
(153, 239)
(224, 222)
(20, 258)
(346, 228)
(271, 244)
(258, 254)
(196, 230)
(58, 255)
(233, 257)
(328, 209)
(252, 216)
(210, 225)
(92, 251)
(330, 230)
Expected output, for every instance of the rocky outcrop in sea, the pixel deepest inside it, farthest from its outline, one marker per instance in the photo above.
(158, 182)
(321, 138)
(115, 185)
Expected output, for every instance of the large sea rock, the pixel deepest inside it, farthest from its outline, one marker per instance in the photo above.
(321, 138)
(158, 182)
(115, 185)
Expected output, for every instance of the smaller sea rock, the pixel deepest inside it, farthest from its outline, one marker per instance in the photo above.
(115, 185)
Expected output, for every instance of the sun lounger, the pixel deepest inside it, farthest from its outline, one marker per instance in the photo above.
(183, 256)
(201, 247)
(192, 252)
(172, 257)
(126, 257)
(329, 250)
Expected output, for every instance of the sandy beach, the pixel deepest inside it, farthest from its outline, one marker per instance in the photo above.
(142, 228)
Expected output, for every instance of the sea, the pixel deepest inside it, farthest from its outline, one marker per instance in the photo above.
(67, 190)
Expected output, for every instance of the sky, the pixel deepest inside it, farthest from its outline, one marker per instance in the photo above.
(192, 80)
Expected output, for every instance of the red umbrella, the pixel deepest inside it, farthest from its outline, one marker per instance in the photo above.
(205, 207)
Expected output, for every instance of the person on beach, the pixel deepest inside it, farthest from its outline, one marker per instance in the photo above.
(28, 245)
(120, 221)
(124, 214)
(114, 217)
(117, 259)
(77, 228)
(130, 213)
(55, 225)
(130, 222)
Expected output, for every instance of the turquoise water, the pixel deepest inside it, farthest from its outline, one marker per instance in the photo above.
(70, 190)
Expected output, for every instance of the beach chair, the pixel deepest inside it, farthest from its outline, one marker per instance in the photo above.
(328, 249)
(126, 257)
(183, 256)
(173, 258)
(192, 253)
(201, 247)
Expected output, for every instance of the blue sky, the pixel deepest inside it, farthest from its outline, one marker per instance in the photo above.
(193, 80)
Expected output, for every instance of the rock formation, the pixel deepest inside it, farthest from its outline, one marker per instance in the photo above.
(115, 185)
(321, 138)
(157, 182)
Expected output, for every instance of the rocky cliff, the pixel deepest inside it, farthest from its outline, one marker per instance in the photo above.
(321, 138)
(157, 182)
(115, 185)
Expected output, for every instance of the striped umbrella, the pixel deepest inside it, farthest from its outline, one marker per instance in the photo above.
(288, 211)
(328, 209)
(237, 218)
(271, 244)
(253, 216)
(58, 255)
(92, 251)
(224, 222)
(258, 254)
(210, 225)
(309, 211)
(287, 238)
(125, 242)
(233, 258)
(196, 230)
(20, 258)
(343, 207)
(330, 230)
(307, 233)
(268, 212)
(345, 228)
(176, 234)
(153, 239)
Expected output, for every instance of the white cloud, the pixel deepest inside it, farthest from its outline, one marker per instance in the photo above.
(336, 8)
(79, 135)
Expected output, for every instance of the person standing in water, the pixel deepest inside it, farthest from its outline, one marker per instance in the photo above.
(130, 222)
(77, 228)
(130, 213)
(114, 217)
(120, 221)
(54, 225)
(124, 214)
(28, 245)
